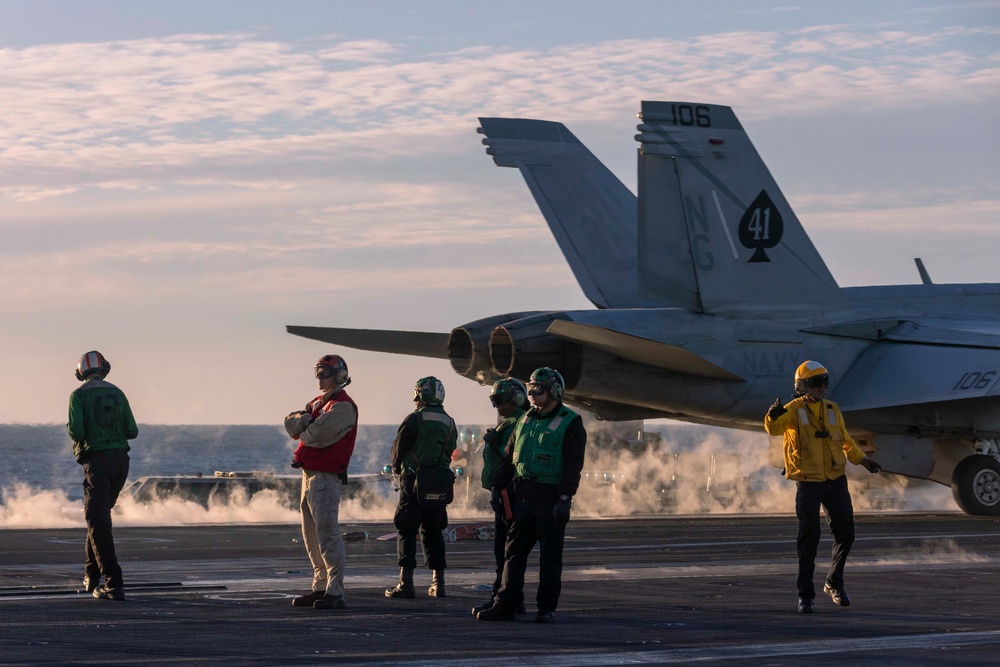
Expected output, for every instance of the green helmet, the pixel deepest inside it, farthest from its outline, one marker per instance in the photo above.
(508, 390)
(550, 380)
(429, 391)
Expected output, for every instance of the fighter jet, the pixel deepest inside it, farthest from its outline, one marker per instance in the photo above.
(708, 294)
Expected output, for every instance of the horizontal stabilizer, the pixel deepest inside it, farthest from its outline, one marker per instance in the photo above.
(890, 375)
(640, 350)
(415, 343)
(589, 211)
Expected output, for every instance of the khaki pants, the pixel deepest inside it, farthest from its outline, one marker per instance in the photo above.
(320, 505)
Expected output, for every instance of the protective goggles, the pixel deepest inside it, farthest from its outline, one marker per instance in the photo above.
(498, 399)
(818, 381)
(535, 389)
(323, 372)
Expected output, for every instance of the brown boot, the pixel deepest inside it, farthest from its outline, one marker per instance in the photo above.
(437, 584)
(404, 589)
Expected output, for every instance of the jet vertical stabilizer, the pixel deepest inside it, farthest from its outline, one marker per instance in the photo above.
(715, 232)
(590, 212)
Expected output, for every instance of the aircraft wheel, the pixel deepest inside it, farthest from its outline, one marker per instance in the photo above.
(976, 485)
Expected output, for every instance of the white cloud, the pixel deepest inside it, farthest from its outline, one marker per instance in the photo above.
(235, 180)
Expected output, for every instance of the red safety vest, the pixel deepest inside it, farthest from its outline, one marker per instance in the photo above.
(337, 456)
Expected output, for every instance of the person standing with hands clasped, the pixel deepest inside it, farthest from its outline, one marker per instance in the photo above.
(510, 398)
(327, 429)
(100, 425)
(817, 447)
(544, 457)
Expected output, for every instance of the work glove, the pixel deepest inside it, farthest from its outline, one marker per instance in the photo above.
(776, 410)
(491, 437)
(496, 501)
(871, 465)
(560, 511)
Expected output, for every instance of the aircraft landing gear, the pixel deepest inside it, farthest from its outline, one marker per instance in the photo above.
(975, 485)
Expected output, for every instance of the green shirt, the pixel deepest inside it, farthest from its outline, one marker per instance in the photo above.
(99, 418)
(493, 454)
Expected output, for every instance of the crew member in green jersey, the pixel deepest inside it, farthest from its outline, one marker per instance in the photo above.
(510, 398)
(426, 438)
(544, 456)
(100, 425)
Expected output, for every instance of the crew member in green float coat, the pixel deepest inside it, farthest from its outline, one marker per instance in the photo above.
(544, 456)
(427, 437)
(510, 398)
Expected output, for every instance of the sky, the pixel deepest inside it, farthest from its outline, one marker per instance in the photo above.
(179, 181)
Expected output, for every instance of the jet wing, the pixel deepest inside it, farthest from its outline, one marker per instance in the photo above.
(959, 333)
(415, 343)
(640, 350)
(891, 374)
(947, 332)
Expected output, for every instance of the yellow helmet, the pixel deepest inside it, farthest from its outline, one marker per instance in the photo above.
(808, 370)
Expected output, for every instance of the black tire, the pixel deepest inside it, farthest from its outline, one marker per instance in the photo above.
(975, 484)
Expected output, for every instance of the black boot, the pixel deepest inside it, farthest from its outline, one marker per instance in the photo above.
(308, 599)
(404, 589)
(437, 584)
(482, 607)
(497, 612)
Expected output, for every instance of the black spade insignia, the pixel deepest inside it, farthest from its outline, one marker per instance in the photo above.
(761, 227)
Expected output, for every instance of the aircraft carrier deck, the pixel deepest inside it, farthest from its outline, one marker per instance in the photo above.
(641, 591)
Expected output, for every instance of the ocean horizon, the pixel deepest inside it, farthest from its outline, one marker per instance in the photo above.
(690, 470)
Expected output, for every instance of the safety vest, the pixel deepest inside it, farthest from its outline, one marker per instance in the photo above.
(493, 456)
(337, 456)
(538, 445)
(435, 438)
(816, 443)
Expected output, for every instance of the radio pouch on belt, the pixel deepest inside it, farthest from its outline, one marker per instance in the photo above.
(434, 485)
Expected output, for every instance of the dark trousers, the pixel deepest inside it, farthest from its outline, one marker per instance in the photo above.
(533, 523)
(499, 544)
(835, 498)
(104, 474)
(430, 520)
(500, 526)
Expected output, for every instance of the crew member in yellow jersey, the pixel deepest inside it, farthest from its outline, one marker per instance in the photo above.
(817, 448)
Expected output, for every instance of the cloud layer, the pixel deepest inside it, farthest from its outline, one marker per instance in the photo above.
(229, 179)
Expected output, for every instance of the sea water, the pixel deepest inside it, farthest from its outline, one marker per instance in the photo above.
(694, 470)
(41, 455)
(41, 484)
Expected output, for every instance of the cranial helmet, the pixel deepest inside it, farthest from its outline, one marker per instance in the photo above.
(91, 363)
(429, 391)
(550, 380)
(508, 390)
(333, 365)
(811, 373)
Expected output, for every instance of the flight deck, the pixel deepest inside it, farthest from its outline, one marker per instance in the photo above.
(642, 591)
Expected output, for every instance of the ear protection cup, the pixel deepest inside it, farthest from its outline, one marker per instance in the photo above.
(509, 389)
(520, 398)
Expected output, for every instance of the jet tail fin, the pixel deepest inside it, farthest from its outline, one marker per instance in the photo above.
(590, 212)
(715, 232)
